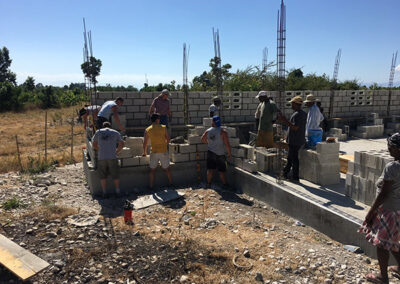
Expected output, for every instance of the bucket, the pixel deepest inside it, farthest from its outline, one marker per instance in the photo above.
(314, 137)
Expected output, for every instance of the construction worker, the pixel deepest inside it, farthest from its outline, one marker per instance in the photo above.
(158, 135)
(88, 112)
(261, 97)
(216, 138)
(161, 105)
(108, 108)
(214, 108)
(296, 137)
(105, 141)
(314, 119)
(268, 111)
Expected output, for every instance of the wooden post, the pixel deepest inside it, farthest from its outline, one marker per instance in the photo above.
(45, 136)
(72, 138)
(18, 154)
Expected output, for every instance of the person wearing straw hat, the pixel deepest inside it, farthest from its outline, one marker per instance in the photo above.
(295, 138)
(162, 106)
(261, 98)
(268, 111)
(314, 119)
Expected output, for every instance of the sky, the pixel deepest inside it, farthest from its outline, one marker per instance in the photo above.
(143, 39)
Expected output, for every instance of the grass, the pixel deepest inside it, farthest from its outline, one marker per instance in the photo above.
(29, 127)
(51, 211)
(13, 203)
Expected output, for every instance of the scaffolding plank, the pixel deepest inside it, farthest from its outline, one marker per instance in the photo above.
(18, 260)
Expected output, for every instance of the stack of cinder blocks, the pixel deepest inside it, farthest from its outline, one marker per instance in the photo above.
(243, 157)
(266, 159)
(131, 154)
(393, 126)
(321, 166)
(373, 129)
(363, 173)
(338, 133)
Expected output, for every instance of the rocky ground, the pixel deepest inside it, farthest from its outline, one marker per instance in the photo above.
(209, 236)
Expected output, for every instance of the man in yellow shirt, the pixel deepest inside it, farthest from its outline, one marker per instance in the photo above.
(159, 138)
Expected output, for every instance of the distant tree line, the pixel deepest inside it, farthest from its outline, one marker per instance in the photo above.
(31, 94)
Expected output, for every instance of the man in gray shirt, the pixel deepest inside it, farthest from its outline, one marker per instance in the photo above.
(216, 138)
(105, 141)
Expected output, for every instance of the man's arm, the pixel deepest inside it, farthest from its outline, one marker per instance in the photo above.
(121, 144)
(116, 118)
(151, 109)
(226, 142)
(169, 108)
(94, 141)
(95, 145)
(167, 136)
(84, 117)
(288, 123)
(145, 142)
(204, 137)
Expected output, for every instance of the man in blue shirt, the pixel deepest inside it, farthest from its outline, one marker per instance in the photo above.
(108, 108)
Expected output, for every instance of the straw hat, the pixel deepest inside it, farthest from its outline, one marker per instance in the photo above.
(261, 94)
(310, 99)
(297, 100)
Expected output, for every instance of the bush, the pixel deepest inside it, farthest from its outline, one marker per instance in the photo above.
(38, 165)
(13, 203)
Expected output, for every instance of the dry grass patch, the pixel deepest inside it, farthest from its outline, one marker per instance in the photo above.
(49, 211)
(29, 126)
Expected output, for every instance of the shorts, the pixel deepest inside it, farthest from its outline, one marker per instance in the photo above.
(265, 139)
(99, 122)
(108, 167)
(162, 157)
(215, 161)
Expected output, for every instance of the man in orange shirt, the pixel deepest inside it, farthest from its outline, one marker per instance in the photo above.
(159, 138)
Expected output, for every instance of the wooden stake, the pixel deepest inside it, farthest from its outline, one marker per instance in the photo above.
(18, 154)
(72, 137)
(45, 136)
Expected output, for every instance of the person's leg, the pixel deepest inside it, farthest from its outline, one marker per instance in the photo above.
(295, 161)
(151, 178)
(211, 166)
(102, 170)
(209, 176)
(269, 137)
(383, 259)
(289, 162)
(116, 183)
(114, 172)
(261, 139)
(222, 176)
(164, 161)
(168, 172)
(221, 166)
(103, 182)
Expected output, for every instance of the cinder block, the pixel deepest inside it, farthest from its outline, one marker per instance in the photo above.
(194, 157)
(125, 153)
(234, 142)
(230, 130)
(238, 152)
(328, 148)
(176, 158)
(350, 167)
(186, 148)
(207, 121)
(201, 147)
(200, 130)
(144, 161)
(238, 162)
(173, 148)
(249, 166)
(130, 162)
(194, 139)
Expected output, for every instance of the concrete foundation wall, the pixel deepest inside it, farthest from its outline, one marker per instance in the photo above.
(240, 106)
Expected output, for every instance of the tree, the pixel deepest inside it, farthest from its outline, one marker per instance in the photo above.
(5, 74)
(29, 83)
(91, 69)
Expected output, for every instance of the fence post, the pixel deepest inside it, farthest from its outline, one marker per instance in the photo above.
(45, 136)
(19, 156)
(72, 137)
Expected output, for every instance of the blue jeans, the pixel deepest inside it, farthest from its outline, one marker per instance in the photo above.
(164, 120)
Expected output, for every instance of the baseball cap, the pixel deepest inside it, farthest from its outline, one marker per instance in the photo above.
(217, 120)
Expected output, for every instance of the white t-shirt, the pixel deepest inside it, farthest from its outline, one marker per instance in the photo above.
(213, 108)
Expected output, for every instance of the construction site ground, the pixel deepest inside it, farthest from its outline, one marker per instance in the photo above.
(194, 239)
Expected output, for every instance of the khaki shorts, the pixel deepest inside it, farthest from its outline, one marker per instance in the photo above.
(108, 167)
(162, 157)
(265, 139)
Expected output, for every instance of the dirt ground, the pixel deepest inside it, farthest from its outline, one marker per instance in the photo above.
(208, 236)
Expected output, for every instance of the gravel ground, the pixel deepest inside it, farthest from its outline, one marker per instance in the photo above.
(208, 236)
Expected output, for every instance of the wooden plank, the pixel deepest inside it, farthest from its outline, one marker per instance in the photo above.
(344, 162)
(156, 198)
(18, 260)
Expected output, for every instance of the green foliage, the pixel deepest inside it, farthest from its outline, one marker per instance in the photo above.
(108, 88)
(91, 68)
(13, 203)
(5, 73)
(38, 165)
(29, 84)
(159, 87)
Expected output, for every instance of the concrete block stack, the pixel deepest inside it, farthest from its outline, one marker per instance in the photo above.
(266, 160)
(373, 129)
(363, 173)
(393, 126)
(321, 166)
(338, 133)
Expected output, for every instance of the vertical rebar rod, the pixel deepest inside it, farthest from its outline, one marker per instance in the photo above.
(18, 154)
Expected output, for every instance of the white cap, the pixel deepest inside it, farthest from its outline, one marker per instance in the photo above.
(262, 94)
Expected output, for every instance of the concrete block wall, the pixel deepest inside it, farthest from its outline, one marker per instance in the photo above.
(363, 173)
(240, 106)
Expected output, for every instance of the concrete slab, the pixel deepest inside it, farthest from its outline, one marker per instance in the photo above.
(157, 198)
(350, 146)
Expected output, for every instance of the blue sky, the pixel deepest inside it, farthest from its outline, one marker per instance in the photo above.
(134, 38)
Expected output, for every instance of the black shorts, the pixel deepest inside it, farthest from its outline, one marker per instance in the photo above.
(215, 161)
(100, 120)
